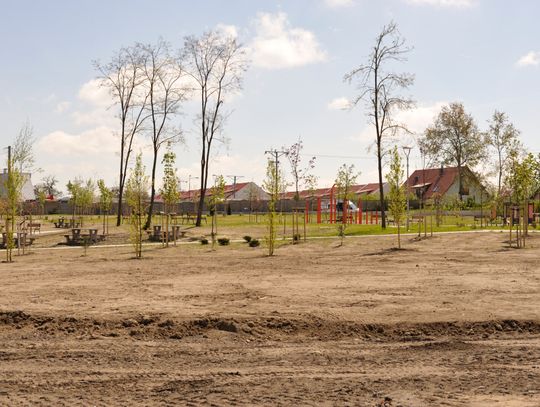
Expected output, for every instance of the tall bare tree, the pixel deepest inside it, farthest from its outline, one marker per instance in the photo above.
(22, 151)
(162, 74)
(300, 174)
(379, 87)
(454, 138)
(124, 77)
(216, 63)
(504, 138)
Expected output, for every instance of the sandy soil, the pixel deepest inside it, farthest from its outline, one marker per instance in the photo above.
(453, 320)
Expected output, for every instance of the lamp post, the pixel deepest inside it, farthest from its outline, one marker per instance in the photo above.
(407, 151)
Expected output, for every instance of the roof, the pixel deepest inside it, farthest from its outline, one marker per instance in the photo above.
(358, 189)
(229, 191)
(437, 180)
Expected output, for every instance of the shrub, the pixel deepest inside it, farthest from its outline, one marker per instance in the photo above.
(254, 243)
(204, 240)
(247, 239)
(223, 241)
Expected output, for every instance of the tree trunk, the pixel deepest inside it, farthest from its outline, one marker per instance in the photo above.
(152, 193)
(381, 192)
(460, 181)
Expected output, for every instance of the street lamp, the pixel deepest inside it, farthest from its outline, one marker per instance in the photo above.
(407, 151)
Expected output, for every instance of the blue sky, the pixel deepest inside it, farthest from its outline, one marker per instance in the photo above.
(484, 53)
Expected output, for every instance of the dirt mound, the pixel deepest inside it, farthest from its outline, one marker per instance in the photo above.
(156, 327)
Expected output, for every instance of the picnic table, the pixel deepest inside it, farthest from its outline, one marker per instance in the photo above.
(24, 239)
(188, 218)
(78, 237)
(158, 235)
(62, 223)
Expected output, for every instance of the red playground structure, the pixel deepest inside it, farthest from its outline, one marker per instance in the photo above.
(342, 211)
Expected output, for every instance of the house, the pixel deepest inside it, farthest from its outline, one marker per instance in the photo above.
(244, 191)
(27, 191)
(443, 182)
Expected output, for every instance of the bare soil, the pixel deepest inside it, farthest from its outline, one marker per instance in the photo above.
(452, 320)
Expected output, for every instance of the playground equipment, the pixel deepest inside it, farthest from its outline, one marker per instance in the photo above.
(344, 211)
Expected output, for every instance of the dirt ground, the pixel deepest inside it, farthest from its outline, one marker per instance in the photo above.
(453, 320)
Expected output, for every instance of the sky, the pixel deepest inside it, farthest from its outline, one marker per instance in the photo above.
(482, 53)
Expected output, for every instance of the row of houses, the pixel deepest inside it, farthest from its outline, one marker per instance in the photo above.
(424, 184)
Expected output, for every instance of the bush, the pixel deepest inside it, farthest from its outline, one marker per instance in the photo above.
(204, 240)
(254, 243)
(247, 239)
(223, 241)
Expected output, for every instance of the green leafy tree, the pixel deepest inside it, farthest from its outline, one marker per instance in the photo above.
(136, 196)
(75, 190)
(82, 196)
(169, 191)
(345, 179)
(41, 196)
(504, 138)
(13, 186)
(397, 201)
(217, 196)
(105, 203)
(523, 180)
(273, 185)
(454, 138)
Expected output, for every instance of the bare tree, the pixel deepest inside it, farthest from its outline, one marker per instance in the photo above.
(22, 151)
(49, 183)
(504, 138)
(454, 138)
(379, 89)
(215, 63)
(300, 174)
(124, 77)
(162, 75)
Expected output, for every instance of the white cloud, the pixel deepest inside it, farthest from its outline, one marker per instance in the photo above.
(444, 3)
(532, 58)
(341, 103)
(416, 120)
(277, 45)
(96, 141)
(228, 30)
(62, 107)
(338, 3)
(95, 94)
(419, 118)
(94, 109)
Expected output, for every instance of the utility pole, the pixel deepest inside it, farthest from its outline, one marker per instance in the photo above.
(276, 154)
(9, 222)
(234, 178)
(407, 151)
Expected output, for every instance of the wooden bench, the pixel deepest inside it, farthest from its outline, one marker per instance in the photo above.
(34, 227)
(483, 219)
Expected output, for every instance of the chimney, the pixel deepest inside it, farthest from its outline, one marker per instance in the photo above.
(441, 171)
